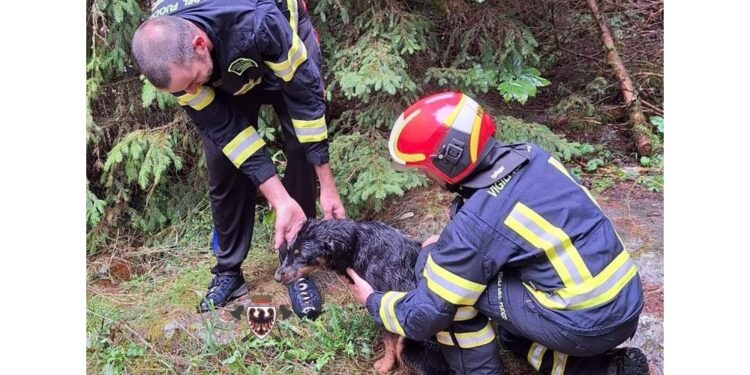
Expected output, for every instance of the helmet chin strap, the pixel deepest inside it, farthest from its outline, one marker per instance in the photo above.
(497, 161)
(490, 154)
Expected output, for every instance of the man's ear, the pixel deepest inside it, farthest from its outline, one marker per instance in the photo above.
(199, 44)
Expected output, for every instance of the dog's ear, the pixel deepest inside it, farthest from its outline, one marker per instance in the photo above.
(306, 231)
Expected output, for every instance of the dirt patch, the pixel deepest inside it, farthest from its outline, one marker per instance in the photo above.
(419, 213)
(653, 295)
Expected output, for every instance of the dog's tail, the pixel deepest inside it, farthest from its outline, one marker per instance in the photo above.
(422, 358)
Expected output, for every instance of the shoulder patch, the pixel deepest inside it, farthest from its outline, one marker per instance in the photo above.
(240, 65)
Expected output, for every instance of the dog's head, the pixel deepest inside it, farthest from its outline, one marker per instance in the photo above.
(318, 245)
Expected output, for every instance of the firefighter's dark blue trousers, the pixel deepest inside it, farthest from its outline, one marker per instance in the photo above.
(232, 194)
(523, 329)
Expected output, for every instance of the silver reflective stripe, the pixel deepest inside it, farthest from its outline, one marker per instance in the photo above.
(472, 340)
(593, 293)
(384, 305)
(293, 60)
(199, 98)
(244, 145)
(558, 366)
(557, 245)
(459, 291)
(536, 354)
(465, 313)
(444, 338)
(311, 131)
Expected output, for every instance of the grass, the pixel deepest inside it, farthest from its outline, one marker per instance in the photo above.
(148, 324)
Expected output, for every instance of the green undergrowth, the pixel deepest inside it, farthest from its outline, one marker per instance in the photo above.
(148, 324)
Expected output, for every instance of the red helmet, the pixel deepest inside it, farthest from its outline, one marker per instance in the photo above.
(444, 134)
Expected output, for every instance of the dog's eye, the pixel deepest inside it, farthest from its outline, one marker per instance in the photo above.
(296, 252)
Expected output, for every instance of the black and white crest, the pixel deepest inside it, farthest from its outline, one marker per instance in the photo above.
(261, 319)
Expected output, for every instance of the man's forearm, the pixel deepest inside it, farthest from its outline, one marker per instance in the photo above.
(325, 177)
(330, 202)
(274, 192)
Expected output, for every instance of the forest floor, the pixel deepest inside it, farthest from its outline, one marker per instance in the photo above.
(142, 319)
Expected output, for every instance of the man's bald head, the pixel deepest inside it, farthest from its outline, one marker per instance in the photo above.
(161, 42)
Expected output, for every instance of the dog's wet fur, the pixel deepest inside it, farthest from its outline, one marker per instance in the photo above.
(383, 257)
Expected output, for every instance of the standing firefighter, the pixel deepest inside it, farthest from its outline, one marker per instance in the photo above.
(529, 248)
(223, 60)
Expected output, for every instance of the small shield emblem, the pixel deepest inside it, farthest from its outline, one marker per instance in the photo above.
(261, 319)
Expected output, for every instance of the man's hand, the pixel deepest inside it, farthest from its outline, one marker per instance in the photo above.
(361, 289)
(289, 215)
(289, 219)
(330, 202)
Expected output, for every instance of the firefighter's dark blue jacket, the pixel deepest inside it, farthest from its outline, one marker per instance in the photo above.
(258, 45)
(538, 224)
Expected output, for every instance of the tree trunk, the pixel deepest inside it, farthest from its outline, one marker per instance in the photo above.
(641, 130)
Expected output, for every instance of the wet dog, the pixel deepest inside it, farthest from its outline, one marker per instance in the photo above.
(382, 256)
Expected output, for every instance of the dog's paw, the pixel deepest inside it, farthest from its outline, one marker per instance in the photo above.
(384, 365)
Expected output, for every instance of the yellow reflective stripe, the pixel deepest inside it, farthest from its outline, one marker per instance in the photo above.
(553, 241)
(469, 340)
(560, 235)
(465, 313)
(310, 130)
(558, 365)
(555, 163)
(474, 142)
(243, 146)
(452, 116)
(388, 312)
(536, 354)
(296, 55)
(547, 247)
(444, 338)
(601, 289)
(292, 6)
(620, 260)
(203, 97)
(306, 124)
(396, 154)
(450, 286)
(564, 171)
(612, 292)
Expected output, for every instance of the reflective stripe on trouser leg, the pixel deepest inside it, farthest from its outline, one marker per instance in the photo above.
(558, 363)
(470, 347)
(536, 353)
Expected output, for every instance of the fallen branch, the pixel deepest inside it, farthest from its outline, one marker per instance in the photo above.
(641, 130)
(652, 107)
